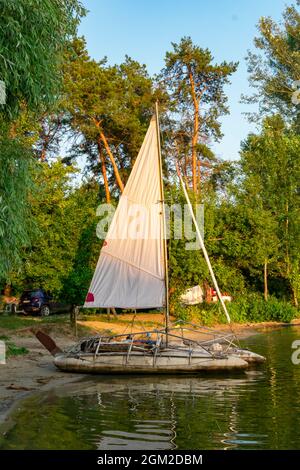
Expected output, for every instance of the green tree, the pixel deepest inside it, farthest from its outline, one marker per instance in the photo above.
(275, 66)
(84, 201)
(249, 240)
(270, 189)
(110, 108)
(196, 87)
(61, 214)
(187, 264)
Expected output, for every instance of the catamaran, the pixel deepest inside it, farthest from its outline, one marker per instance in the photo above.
(132, 273)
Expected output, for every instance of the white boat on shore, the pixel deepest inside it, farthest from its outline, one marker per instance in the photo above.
(148, 353)
(132, 273)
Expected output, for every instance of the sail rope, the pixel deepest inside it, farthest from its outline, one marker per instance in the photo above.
(205, 252)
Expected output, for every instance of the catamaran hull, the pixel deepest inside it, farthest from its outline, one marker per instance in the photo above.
(141, 364)
(248, 356)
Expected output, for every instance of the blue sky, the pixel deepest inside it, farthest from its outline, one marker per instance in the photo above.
(144, 30)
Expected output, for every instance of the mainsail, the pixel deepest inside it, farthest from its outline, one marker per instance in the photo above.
(130, 272)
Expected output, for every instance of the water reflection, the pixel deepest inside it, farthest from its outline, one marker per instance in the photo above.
(109, 413)
(258, 409)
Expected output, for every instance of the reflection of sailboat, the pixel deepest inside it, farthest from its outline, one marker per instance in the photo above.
(145, 412)
(132, 272)
(143, 385)
(154, 433)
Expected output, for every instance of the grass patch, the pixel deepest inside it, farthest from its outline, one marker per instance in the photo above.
(54, 324)
(12, 349)
(14, 322)
(60, 324)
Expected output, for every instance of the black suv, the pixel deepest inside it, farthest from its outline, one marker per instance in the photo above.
(41, 302)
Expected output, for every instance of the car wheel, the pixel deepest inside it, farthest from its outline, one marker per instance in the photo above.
(45, 311)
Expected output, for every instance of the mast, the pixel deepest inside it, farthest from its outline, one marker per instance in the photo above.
(203, 246)
(165, 250)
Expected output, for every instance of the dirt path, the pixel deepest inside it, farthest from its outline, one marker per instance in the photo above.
(145, 322)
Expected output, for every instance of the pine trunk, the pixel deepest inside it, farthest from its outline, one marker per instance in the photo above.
(195, 136)
(104, 173)
(113, 162)
(287, 255)
(45, 144)
(295, 297)
(266, 293)
(109, 153)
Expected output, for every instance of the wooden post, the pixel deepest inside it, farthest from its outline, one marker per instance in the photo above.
(113, 310)
(73, 318)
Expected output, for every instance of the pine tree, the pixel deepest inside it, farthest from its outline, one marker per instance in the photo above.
(196, 87)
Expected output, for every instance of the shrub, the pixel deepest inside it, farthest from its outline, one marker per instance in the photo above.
(253, 308)
(249, 308)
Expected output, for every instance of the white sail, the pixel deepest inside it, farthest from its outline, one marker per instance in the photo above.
(130, 271)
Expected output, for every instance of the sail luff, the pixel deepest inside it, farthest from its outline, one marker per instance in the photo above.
(165, 248)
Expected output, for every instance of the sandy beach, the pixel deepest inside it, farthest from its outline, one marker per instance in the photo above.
(34, 371)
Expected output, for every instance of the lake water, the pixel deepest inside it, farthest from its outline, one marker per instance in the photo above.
(259, 409)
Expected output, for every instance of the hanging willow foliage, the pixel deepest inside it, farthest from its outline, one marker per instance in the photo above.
(33, 35)
(15, 184)
(33, 38)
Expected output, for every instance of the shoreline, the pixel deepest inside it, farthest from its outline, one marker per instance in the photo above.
(33, 372)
